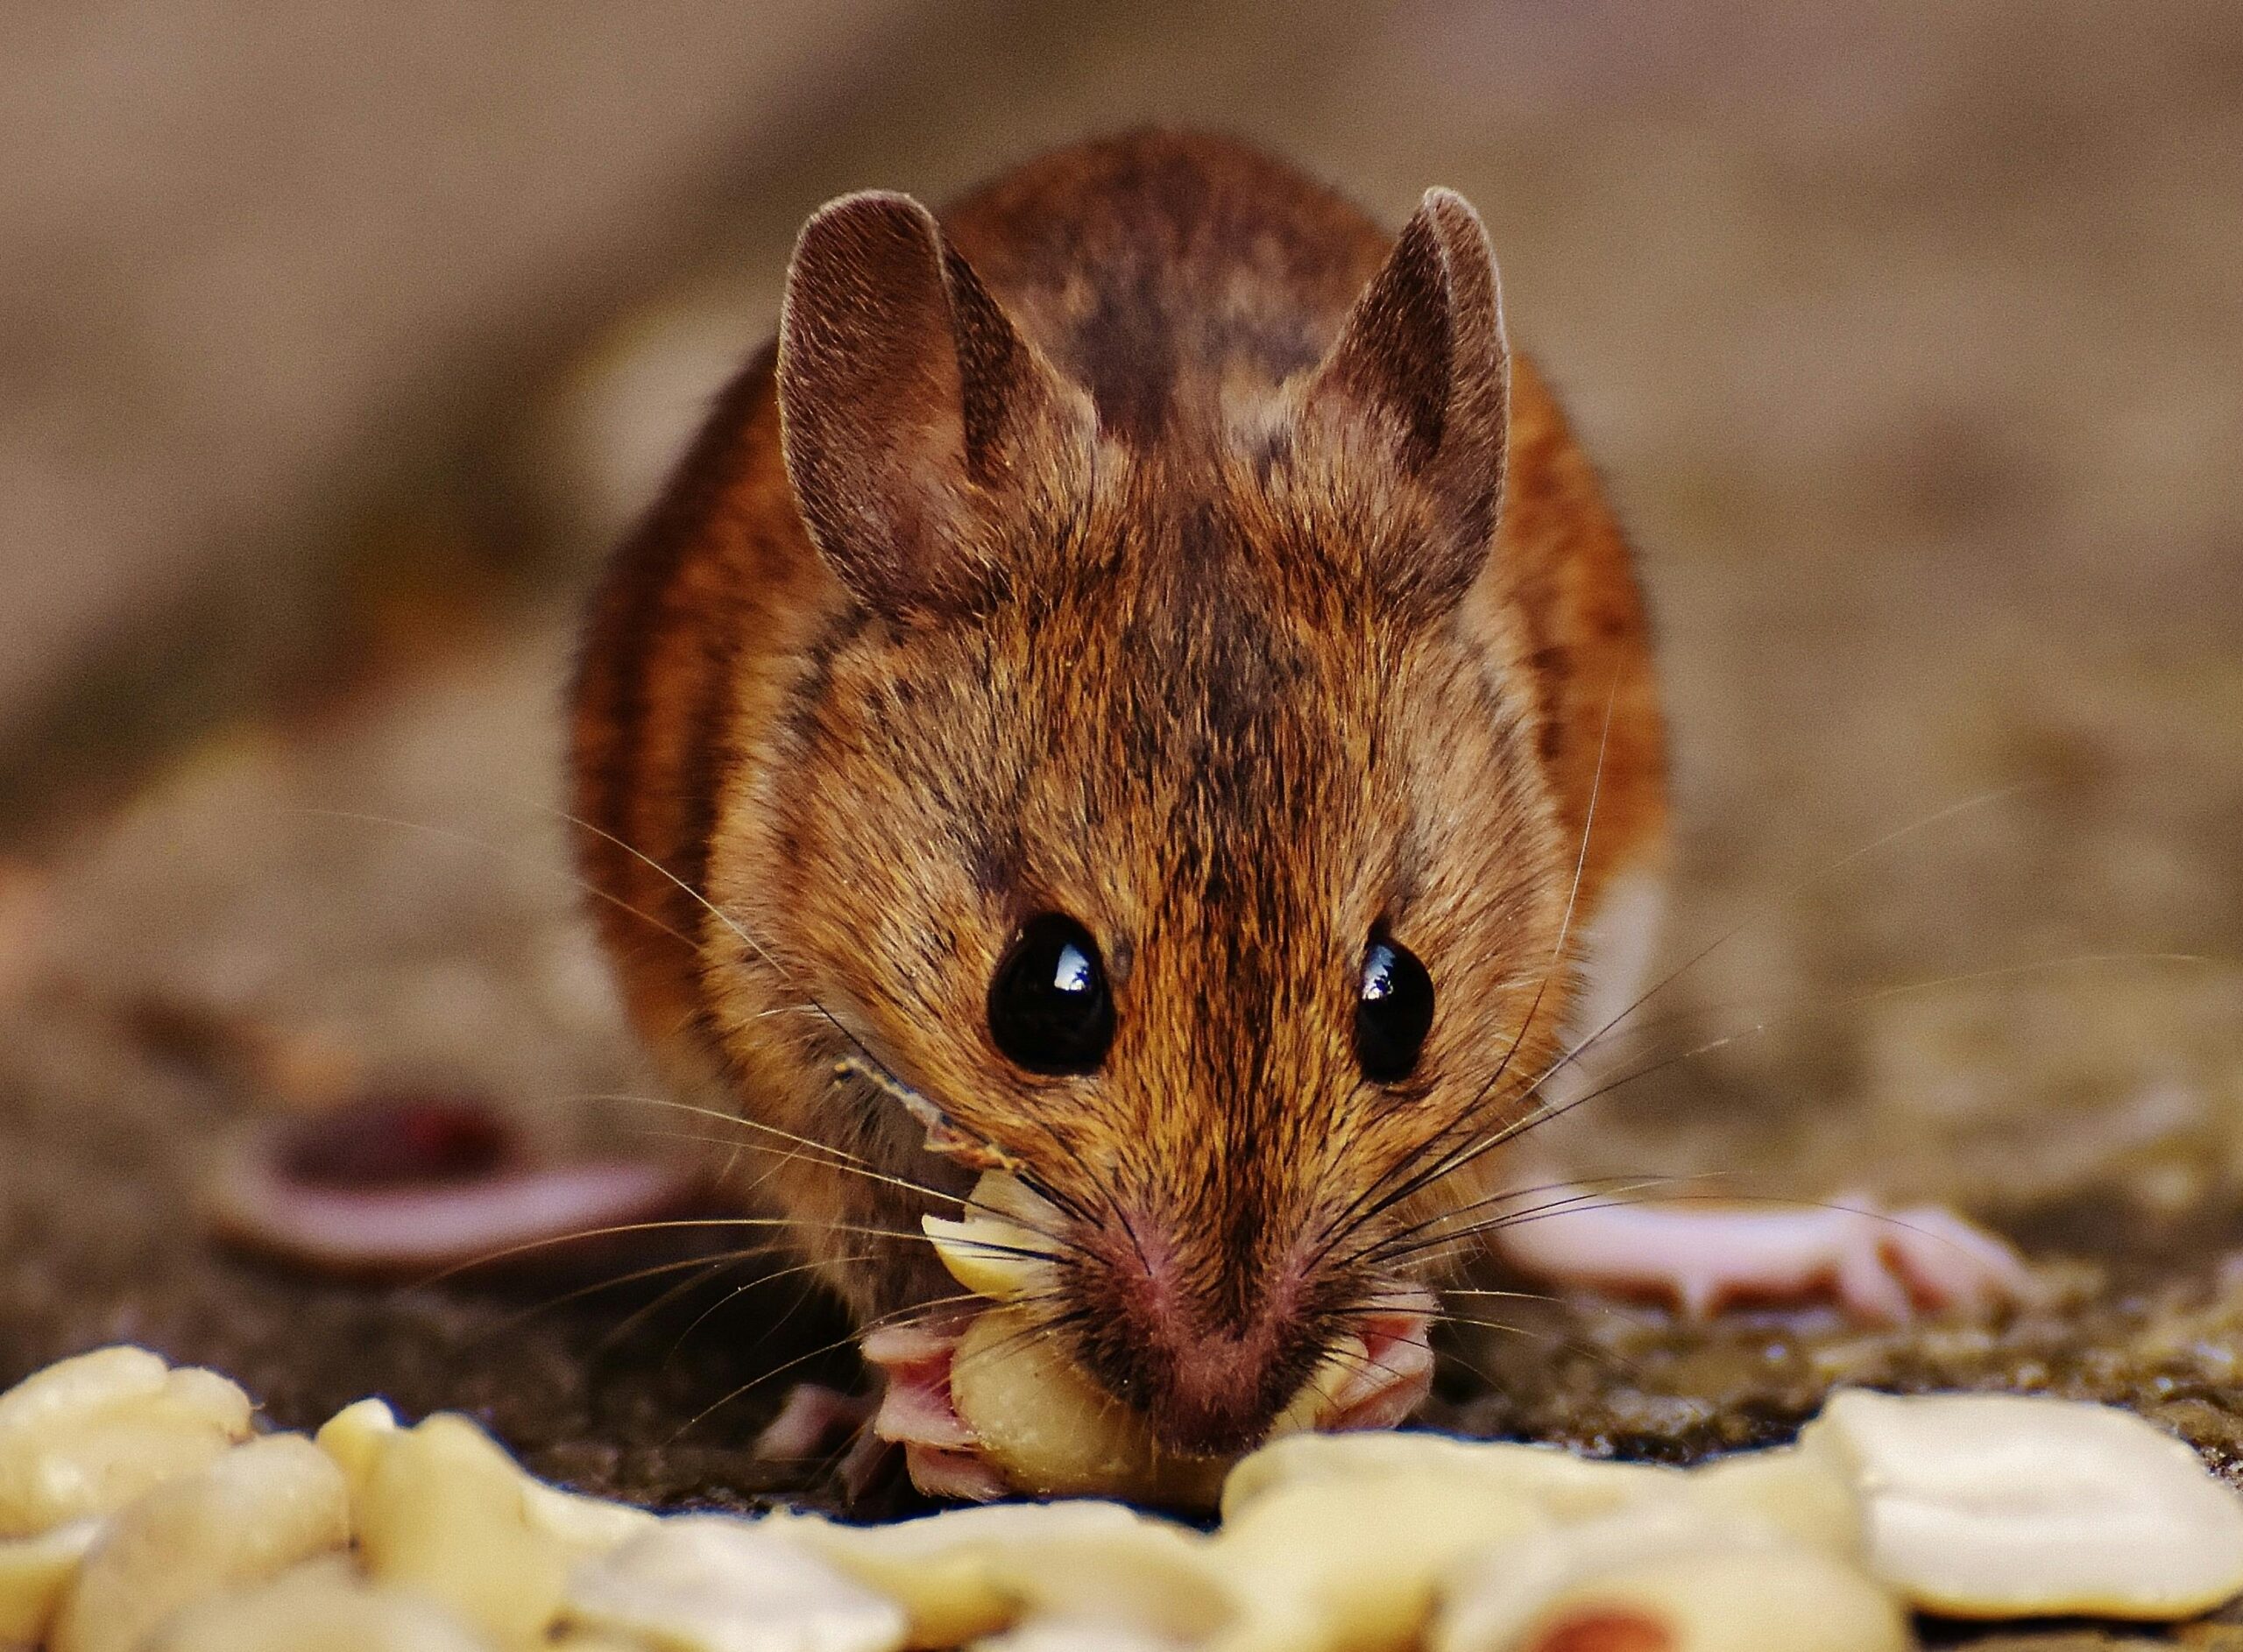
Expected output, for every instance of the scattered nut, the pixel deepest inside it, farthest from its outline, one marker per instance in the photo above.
(1665, 1577)
(1052, 1431)
(247, 1516)
(322, 1606)
(443, 1514)
(707, 1584)
(89, 1435)
(1994, 1506)
(34, 1573)
(971, 1573)
(1565, 1486)
(1325, 1564)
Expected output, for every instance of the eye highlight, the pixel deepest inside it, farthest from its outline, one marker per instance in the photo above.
(1049, 1008)
(1394, 1010)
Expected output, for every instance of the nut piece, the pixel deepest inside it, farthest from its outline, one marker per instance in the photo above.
(1992, 1506)
(250, 1514)
(1333, 1563)
(709, 1584)
(444, 1514)
(89, 1435)
(1664, 1577)
(1051, 1430)
(34, 1573)
(1565, 1486)
(322, 1606)
(969, 1573)
(997, 1246)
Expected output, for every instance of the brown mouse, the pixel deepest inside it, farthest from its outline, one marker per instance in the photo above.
(1138, 685)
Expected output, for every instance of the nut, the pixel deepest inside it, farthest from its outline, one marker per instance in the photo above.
(995, 1248)
(1664, 1576)
(321, 1607)
(249, 1516)
(713, 1585)
(444, 1514)
(1052, 1431)
(89, 1435)
(971, 1573)
(34, 1573)
(1993, 1505)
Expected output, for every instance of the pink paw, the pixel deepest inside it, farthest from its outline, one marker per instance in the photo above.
(940, 1452)
(1881, 1266)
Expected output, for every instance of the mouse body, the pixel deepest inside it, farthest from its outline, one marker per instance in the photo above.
(1138, 687)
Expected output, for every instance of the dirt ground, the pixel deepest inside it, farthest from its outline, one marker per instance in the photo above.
(1908, 338)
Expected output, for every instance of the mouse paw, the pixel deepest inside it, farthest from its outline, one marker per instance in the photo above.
(1880, 1266)
(941, 1453)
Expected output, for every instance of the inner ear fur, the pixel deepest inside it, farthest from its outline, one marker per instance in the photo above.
(911, 409)
(1419, 380)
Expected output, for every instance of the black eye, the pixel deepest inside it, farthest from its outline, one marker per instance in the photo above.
(1049, 1008)
(1394, 1010)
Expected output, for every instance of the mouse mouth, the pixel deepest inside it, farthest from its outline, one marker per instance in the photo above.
(984, 1407)
(1005, 1399)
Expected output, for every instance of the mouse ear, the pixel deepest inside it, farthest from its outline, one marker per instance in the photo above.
(1420, 375)
(910, 407)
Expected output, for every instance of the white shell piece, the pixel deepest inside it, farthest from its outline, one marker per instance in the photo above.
(1993, 1505)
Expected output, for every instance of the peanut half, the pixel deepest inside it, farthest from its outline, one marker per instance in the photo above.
(1997, 1506)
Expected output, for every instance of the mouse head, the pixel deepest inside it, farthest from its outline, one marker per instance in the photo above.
(1159, 810)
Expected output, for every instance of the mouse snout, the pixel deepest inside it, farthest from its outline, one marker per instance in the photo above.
(1208, 1349)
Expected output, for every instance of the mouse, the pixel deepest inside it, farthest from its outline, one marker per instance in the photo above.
(1137, 686)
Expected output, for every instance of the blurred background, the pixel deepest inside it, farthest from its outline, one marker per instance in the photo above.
(337, 346)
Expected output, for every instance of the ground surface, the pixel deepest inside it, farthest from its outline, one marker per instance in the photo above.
(1909, 344)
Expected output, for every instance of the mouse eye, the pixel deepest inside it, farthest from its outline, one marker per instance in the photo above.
(1394, 1010)
(1049, 1007)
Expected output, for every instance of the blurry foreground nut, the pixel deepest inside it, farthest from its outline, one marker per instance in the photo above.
(34, 1573)
(443, 1515)
(716, 1584)
(969, 1573)
(1341, 1540)
(89, 1435)
(583, 1527)
(322, 1606)
(1325, 1564)
(1664, 1577)
(1052, 1431)
(249, 1516)
(1993, 1506)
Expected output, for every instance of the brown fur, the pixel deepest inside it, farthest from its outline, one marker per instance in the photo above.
(1121, 572)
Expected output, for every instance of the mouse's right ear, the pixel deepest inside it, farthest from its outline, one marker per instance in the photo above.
(912, 412)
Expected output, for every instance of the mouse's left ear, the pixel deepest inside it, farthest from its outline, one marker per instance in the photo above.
(1419, 380)
(912, 414)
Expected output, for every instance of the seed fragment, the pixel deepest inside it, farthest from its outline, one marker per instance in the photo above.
(1000, 1245)
(1991, 1506)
